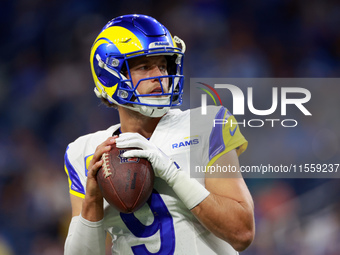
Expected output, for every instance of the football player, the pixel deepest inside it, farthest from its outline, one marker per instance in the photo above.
(137, 67)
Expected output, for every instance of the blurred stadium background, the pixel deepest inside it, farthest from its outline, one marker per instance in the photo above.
(46, 101)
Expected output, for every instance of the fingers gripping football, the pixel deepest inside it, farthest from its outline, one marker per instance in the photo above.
(164, 167)
(92, 189)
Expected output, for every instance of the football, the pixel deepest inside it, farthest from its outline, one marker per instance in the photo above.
(126, 183)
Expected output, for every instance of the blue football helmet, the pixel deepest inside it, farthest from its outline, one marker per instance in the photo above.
(132, 36)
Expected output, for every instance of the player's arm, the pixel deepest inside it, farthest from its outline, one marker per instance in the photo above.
(228, 212)
(86, 232)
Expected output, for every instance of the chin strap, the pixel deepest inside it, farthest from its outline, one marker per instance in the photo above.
(149, 111)
(181, 42)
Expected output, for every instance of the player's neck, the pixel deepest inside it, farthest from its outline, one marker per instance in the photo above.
(132, 121)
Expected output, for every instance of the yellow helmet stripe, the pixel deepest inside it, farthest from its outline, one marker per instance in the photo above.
(94, 47)
(126, 42)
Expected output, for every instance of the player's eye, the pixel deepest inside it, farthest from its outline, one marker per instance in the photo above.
(140, 68)
(163, 68)
(143, 67)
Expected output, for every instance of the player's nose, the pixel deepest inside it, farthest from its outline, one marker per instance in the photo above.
(156, 71)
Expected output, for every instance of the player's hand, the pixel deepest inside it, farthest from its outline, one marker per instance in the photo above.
(190, 191)
(92, 188)
(164, 167)
(92, 208)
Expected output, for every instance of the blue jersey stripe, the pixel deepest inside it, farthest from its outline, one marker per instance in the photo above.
(73, 176)
(216, 143)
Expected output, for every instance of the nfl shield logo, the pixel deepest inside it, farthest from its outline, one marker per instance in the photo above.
(126, 160)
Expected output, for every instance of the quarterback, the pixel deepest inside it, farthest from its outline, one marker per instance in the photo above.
(137, 67)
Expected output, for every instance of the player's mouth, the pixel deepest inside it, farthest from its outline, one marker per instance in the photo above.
(157, 90)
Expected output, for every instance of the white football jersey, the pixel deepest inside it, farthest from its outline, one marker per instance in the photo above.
(164, 225)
